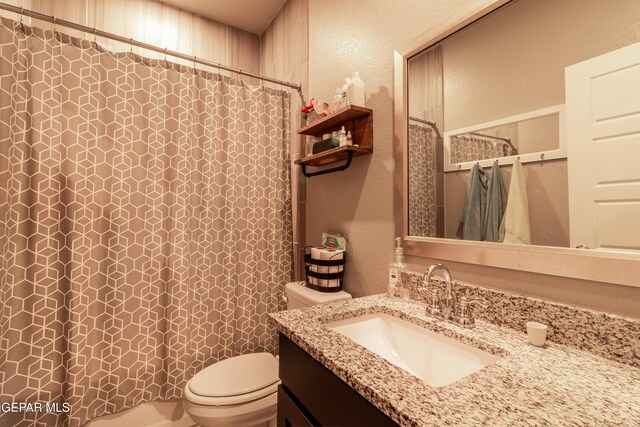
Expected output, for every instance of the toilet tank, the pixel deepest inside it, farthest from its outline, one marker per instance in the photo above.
(299, 295)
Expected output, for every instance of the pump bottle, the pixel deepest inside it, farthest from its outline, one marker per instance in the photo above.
(396, 268)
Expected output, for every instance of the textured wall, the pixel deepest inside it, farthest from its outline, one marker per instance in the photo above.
(284, 50)
(362, 35)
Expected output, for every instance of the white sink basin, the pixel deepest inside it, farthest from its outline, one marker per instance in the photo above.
(434, 358)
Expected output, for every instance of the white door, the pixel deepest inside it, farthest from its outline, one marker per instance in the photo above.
(603, 144)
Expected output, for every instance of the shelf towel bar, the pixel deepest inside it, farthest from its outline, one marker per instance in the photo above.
(336, 169)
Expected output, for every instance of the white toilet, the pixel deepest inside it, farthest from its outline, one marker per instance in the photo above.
(242, 391)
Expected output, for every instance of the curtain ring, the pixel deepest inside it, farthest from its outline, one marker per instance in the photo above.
(55, 30)
(194, 64)
(95, 37)
(21, 22)
(165, 56)
(131, 45)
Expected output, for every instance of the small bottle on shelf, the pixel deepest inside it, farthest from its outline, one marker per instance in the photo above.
(343, 137)
(344, 100)
(335, 140)
(337, 100)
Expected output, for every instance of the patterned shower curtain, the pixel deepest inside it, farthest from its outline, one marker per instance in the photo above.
(472, 148)
(145, 225)
(422, 181)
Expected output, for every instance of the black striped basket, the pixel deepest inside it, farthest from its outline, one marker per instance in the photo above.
(313, 268)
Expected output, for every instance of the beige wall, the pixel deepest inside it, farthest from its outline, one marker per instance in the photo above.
(284, 51)
(513, 61)
(547, 190)
(362, 35)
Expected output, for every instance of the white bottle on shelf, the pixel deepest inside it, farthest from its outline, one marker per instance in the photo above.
(356, 90)
(342, 135)
(344, 101)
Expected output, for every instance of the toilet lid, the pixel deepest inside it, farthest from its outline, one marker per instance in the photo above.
(236, 375)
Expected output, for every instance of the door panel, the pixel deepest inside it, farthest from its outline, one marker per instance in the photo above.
(603, 144)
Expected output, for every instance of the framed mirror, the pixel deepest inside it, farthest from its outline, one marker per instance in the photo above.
(489, 90)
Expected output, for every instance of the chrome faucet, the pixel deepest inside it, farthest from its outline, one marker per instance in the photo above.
(446, 308)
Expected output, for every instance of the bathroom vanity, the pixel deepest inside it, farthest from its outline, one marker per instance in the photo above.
(310, 394)
(328, 379)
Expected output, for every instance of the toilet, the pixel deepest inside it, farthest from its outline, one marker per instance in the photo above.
(242, 391)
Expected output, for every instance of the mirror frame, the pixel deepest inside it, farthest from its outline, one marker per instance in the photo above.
(607, 267)
(535, 156)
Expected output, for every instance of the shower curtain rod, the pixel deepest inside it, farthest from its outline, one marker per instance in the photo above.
(55, 21)
(427, 122)
(501, 138)
(507, 140)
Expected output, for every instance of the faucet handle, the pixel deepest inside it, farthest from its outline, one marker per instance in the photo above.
(465, 317)
(435, 307)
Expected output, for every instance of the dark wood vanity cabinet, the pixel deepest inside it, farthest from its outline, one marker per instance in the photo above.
(311, 395)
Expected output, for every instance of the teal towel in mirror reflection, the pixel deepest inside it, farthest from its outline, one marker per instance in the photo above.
(496, 205)
(472, 221)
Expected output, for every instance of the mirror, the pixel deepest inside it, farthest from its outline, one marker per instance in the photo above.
(495, 91)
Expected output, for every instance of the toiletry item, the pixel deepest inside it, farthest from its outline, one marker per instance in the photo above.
(323, 145)
(344, 100)
(337, 99)
(356, 89)
(311, 141)
(396, 268)
(342, 135)
(349, 138)
(536, 333)
(335, 139)
(333, 240)
(324, 254)
(318, 105)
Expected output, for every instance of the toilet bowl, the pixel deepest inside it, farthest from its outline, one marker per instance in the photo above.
(236, 392)
(242, 391)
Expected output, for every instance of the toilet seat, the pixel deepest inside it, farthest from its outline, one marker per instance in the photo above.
(233, 381)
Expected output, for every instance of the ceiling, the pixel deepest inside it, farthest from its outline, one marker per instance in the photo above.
(250, 15)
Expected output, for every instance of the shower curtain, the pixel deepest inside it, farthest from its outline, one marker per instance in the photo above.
(145, 224)
(422, 181)
(473, 148)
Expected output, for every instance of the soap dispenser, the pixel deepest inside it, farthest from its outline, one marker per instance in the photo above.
(396, 268)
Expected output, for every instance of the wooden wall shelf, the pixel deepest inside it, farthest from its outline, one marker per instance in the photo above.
(358, 120)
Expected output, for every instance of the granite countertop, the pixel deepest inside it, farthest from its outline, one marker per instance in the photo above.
(554, 385)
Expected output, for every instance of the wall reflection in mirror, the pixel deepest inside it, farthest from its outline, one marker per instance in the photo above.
(495, 150)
